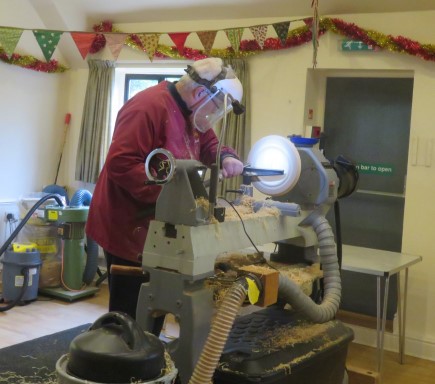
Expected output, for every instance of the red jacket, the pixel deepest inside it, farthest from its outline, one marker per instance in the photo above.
(155, 118)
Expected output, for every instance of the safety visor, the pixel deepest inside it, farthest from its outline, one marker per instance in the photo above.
(211, 111)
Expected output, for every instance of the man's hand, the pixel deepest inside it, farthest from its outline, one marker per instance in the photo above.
(231, 167)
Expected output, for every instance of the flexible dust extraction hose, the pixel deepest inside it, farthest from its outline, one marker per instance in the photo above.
(26, 219)
(219, 332)
(291, 293)
(24, 272)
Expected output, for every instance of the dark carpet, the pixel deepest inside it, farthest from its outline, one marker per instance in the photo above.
(34, 361)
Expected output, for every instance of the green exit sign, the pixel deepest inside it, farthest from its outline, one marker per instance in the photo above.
(375, 169)
(355, 45)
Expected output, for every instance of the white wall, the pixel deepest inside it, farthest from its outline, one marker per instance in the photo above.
(32, 109)
(34, 104)
(31, 127)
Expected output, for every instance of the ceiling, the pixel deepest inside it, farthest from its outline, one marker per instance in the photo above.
(140, 11)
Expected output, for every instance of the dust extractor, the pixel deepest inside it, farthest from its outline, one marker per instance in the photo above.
(79, 255)
(21, 266)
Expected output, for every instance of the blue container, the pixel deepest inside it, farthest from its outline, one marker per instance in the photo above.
(15, 266)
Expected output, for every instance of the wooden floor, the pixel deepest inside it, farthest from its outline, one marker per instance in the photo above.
(413, 371)
(46, 316)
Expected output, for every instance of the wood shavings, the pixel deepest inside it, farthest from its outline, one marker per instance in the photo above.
(290, 335)
(41, 376)
(245, 208)
(202, 202)
(228, 264)
(302, 275)
(310, 331)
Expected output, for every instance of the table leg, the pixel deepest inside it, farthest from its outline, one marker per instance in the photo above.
(381, 337)
(378, 320)
(402, 330)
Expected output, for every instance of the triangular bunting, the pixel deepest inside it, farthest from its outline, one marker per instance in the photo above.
(83, 41)
(115, 42)
(281, 30)
(47, 41)
(259, 33)
(9, 38)
(179, 40)
(150, 41)
(207, 39)
(235, 36)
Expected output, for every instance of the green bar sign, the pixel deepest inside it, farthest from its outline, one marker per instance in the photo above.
(375, 169)
(355, 45)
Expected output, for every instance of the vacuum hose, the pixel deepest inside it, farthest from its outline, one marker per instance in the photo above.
(288, 290)
(293, 295)
(26, 219)
(25, 272)
(219, 332)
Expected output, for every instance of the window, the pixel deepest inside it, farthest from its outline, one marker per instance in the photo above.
(135, 83)
(131, 79)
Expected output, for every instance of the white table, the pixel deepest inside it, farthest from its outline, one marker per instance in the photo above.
(383, 265)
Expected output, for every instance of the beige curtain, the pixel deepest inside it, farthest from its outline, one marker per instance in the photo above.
(94, 133)
(238, 130)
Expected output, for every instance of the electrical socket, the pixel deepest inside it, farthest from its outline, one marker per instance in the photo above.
(10, 216)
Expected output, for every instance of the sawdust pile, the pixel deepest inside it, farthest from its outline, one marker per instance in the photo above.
(289, 335)
(40, 376)
(245, 208)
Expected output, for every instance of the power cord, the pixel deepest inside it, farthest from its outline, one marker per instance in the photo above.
(12, 222)
(243, 223)
(247, 235)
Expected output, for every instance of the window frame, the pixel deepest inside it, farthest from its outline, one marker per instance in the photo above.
(164, 69)
(145, 76)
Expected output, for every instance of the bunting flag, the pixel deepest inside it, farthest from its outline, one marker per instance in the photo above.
(207, 40)
(179, 40)
(281, 30)
(83, 42)
(235, 37)
(47, 41)
(150, 42)
(115, 42)
(260, 33)
(9, 38)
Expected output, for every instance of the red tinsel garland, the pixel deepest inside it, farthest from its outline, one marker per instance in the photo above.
(295, 38)
(29, 62)
(392, 43)
(100, 41)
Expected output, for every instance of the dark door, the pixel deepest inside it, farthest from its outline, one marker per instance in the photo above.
(368, 121)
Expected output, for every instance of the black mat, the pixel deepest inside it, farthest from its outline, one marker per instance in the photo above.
(34, 361)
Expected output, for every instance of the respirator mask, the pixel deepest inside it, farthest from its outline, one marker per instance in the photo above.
(213, 108)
